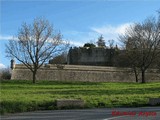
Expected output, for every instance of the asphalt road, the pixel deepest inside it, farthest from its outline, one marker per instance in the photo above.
(141, 113)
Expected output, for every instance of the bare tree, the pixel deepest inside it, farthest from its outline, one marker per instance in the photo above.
(35, 44)
(142, 43)
(111, 44)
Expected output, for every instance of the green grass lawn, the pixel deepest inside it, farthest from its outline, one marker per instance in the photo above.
(20, 96)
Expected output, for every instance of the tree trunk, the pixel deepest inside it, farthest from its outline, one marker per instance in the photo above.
(34, 76)
(136, 74)
(143, 76)
(136, 78)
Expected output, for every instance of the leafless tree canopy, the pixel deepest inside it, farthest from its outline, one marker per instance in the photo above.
(142, 43)
(36, 44)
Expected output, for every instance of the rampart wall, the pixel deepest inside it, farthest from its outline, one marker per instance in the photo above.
(81, 73)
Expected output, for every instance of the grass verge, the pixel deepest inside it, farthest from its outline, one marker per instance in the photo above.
(22, 96)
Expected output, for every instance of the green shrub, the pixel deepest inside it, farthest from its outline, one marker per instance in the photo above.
(5, 74)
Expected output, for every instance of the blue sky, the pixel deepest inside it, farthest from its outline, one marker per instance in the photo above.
(79, 21)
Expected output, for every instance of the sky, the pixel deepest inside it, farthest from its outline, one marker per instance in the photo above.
(79, 21)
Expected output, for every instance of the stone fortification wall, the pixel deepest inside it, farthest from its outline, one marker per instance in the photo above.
(81, 73)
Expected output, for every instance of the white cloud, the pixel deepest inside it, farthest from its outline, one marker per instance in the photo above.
(2, 66)
(73, 42)
(7, 37)
(78, 38)
(111, 32)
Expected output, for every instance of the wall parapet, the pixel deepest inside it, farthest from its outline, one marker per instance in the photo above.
(76, 67)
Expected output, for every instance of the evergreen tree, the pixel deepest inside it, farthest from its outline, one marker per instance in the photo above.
(101, 42)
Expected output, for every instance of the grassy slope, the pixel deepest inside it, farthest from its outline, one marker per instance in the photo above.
(20, 96)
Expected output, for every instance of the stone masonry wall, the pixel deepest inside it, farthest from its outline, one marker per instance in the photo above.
(81, 73)
(90, 56)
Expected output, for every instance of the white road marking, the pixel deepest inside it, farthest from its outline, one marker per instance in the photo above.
(114, 117)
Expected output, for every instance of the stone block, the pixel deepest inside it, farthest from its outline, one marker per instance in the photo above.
(60, 66)
(154, 101)
(74, 103)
